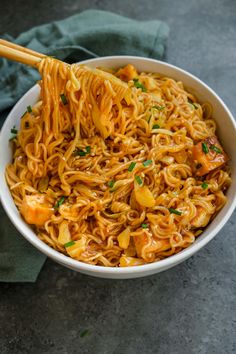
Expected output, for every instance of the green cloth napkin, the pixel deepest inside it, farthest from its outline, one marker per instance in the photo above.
(89, 34)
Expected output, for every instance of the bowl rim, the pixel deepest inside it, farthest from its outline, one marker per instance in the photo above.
(102, 270)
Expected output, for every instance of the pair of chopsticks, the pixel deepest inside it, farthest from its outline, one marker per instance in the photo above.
(23, 55)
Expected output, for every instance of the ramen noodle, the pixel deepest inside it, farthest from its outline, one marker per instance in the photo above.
(115, 167)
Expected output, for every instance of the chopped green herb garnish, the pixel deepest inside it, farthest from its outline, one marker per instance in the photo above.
(193, 104)
(63, 98)
(149, 118)
(81, 153)
(215, 148)
(68, 244)
(147, 163)
(175, 211)
(29, 109)
(78, 152)
(204, 185)
(131, 166)
(205, 148)
(156, 126)
(23, 114)
(138, 180)
(111, 183)
(159, 108)
(14, 131)
(144, 226)
(84, 333)
(138, 84)
(59, 202)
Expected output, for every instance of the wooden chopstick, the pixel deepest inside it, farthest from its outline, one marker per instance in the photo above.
(20, 54)
(20, 48)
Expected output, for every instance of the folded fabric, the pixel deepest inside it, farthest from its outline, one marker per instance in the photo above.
(89, 34)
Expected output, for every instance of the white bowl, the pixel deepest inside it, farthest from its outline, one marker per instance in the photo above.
(226, 132)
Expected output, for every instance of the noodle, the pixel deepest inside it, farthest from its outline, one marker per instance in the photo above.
(106, 166)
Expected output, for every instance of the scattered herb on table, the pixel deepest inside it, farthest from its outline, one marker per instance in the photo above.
(84, 333)
(193, 104)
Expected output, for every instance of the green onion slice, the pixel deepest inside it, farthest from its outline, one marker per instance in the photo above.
(216, 149)
(138, 180)
(144, 226)
(131, 166)
(204, 185)
(147, 163)
(205, 148)
(78, 152)
(81, 153)
(59, 202)
(14, 130)
(63, 98)
(111, 183)
(175, 211)
(156, 126)
(84, 333)
(29, 109)
(138, 84)
(159, 108)
(68, 244)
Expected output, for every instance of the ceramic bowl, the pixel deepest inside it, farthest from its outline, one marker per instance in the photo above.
(226, 132)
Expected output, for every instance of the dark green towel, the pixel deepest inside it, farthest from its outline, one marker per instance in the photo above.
(89, 34)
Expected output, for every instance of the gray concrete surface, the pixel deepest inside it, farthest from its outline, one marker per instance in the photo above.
(188, 309)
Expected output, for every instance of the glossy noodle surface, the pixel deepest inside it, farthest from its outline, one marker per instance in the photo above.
(116, 168)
